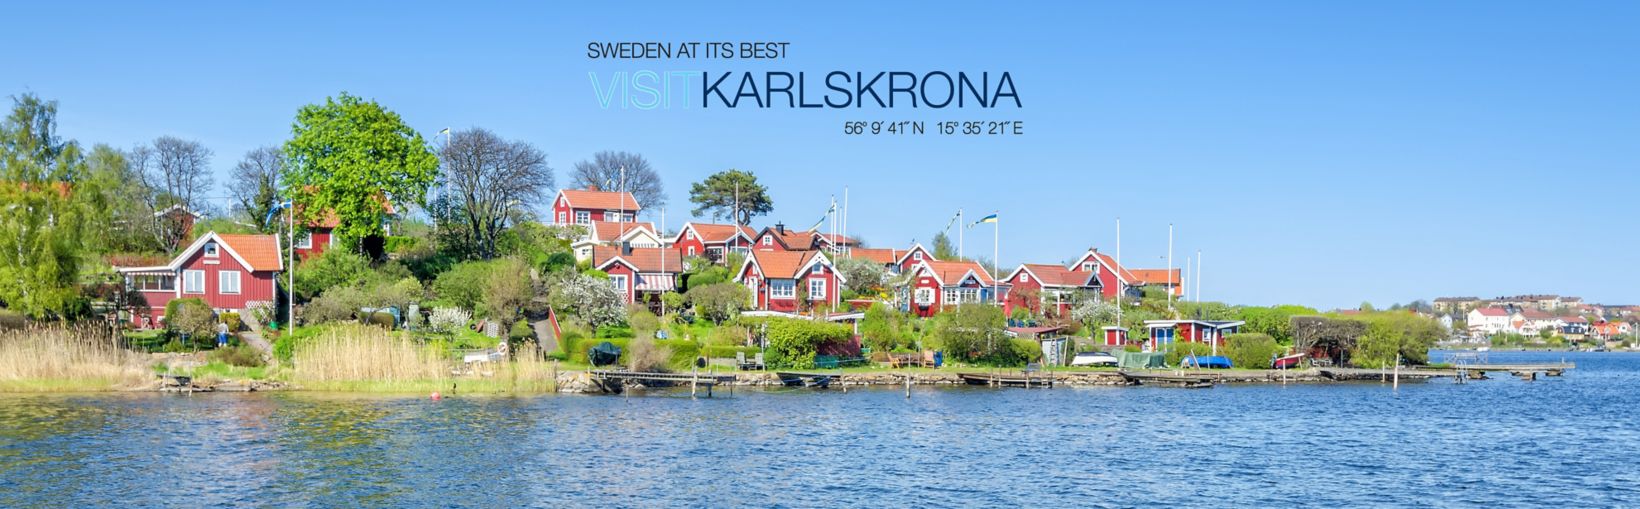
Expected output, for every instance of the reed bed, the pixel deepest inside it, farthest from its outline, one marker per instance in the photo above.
(68, 358)
(369, 359)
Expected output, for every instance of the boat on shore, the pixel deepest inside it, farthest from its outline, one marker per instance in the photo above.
(1209, 361)
(1188, 381)
(1288, 362)
(815, 380)
(1007, 379)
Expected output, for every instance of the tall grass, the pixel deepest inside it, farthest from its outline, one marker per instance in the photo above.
(370, 359)
(63, 358)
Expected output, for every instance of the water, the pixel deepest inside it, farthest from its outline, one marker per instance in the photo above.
(1500, 442)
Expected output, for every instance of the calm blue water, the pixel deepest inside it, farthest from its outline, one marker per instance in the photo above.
(1501, 442)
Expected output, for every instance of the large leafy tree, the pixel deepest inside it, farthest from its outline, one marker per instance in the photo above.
(255, 186)
(614, 171)
(353, 157)
(42, 217)
(732, 194)
(122, 199)
(488, 183)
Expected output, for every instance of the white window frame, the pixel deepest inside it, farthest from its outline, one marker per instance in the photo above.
(688, 235)
(222, 278)
(212, 250)
(924, 295)
(563, 217)
(691, 250)
(1024, 277)
(305, 241)
(817, 291)
(188, 282)
(950, 296)
(768, 240)
(782, 289)
(620, 282)
(917, 256)
(583, 217)
(1089, 266)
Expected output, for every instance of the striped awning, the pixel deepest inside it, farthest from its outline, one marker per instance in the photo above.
(656, 283)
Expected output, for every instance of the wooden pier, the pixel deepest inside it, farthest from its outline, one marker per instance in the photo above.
(1186, 380)
(1007, 379)
(615, 382)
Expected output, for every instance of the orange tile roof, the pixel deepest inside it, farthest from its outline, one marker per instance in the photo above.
(1156, 276)
(646, 259)
(1126, 275)
(782, 264)
(261, 252)
(607, 200)
(714, 233)
(879, 255)
(609, 231)
(1056, 275)
(836, 239)
(951, 272)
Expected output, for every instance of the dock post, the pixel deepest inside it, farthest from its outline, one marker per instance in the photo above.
(694, 381)
(907, 386)
(1397, 385)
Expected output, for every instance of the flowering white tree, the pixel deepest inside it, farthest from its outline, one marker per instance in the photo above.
(594, 300)
(448, 320)
(1094, 311)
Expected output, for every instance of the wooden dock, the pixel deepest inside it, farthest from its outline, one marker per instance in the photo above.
(1007, 379)
(615, 382)
(1186, 380)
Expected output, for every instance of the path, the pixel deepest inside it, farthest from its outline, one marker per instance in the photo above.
(254, 338)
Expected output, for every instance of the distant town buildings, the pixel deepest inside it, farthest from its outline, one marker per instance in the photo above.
(1536, 315)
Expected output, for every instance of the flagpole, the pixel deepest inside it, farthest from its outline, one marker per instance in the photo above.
(960, 227)
(290, 293)
(996, 259)
(660, 234)
(848, 248)
(1118, 276)
(1169, 266)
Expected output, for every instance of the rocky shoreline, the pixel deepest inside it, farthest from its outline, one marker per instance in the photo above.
(581, 382)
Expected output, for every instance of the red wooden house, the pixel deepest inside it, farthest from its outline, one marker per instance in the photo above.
(778, 238)
(935, 285)
(605, 233)
(1112, 277)
(638, 271)
(713, 241)
(321, 232)
(911, 257)
(775, 279)
(1168, 280)
(583, 206)
(228, 272)
(1047, 289)
(1165, 332)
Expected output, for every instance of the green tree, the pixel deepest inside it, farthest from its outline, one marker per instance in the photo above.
(862, 276)
(719, 302)
(329, 269)
(732, 194)
(973, 332)
(942, 247)
(43, 218)
(884, 329)
(1273, 321)
(353, 157)
(1251, 350)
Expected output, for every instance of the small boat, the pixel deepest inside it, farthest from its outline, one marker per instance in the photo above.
(603, 354)
(815, 380)
(1209, 361)
(1288, 362)
(1007, 379)
(1093, 359)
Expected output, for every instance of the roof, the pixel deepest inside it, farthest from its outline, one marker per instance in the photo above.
(781, 264)
(1122, 273)
(915, 247)
(796, 241)
(1157, 276)
(1492, 311)
(1533, 314)
(595, 199)
(1574, 319)
(879, 255)
(952, 272)
(1053, 274)
(711, 233)
(259, 253)
(610, 231)
(645, 259)
(837, 239)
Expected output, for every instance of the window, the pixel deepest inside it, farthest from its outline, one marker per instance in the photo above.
(951, 297)
(688, 235)
(917, 256)
(768, 240)
(1024, 278)
(925, 296)
(954, 296)
(628, 217)
(305, 241)
(783, 289)
(563, 217)
(817, 288)
(619, 281)
(193, 281)
(583, 217)
(691, 250)
(210, 250)
(227, 282)
(154, 283)
(1087, 266)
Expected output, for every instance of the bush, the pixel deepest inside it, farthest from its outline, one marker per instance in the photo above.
(521, 331)
(708, 275)
(336, 305)
(721, 301)
(1021, 351)
(238, 355)
(642, 354)
(796, 341)
(11, 320)
(330, 269)
(190, 316)
(673, 301)
(1251, 350)
(448, 320)
(463, 286)
(232, 319)
(884, 329)
(381, 319)
(728, 335)
(578, 352)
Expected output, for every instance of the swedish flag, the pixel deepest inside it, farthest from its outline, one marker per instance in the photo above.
(987, 219)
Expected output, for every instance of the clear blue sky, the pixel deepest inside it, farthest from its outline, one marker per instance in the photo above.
(1322, 153)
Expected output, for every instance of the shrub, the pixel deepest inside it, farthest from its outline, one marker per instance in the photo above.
(238, 355)
(590, 299)
(728, 352)
(11, 320)
(232, 319)
(336, 305)
(721, 301)
(1178, 350)
(707, 276)
(446, 320)
(330, 269)
(521, 331)
(1021, 351)
(728, 335)
(190, 316)
(642, 354)
(673, 301)
(973, 332)
(463, 285)
(796, 341)
(884, 329)
(381, 319)
(641, 322)
(1251, 350)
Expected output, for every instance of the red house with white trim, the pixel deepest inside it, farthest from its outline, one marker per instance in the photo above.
(605, 233)
(911, 257)
(778, 238)
(583, 206)
(776, 277)
(935, 285)
(713, 241)
(637, 271)
(1112, 277)
(1164, 332)
(1047, 288)
(228, 272)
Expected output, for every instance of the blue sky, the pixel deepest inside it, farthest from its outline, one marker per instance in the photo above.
(1321, 153)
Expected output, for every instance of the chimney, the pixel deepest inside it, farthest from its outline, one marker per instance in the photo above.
(780, 228)
(626, 248)
(592, 187)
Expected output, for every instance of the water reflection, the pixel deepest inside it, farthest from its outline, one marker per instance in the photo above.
(1497, 442)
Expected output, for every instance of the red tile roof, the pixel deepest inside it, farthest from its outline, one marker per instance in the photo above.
(646, 259)
(715, 233)
(1156, 276)
(782, 264)
(950, 273)
(1492, 311)
(609, 231)
(1105, 259)
(879, 255)
(1056, 275)
(607, 200)
(261, 252)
